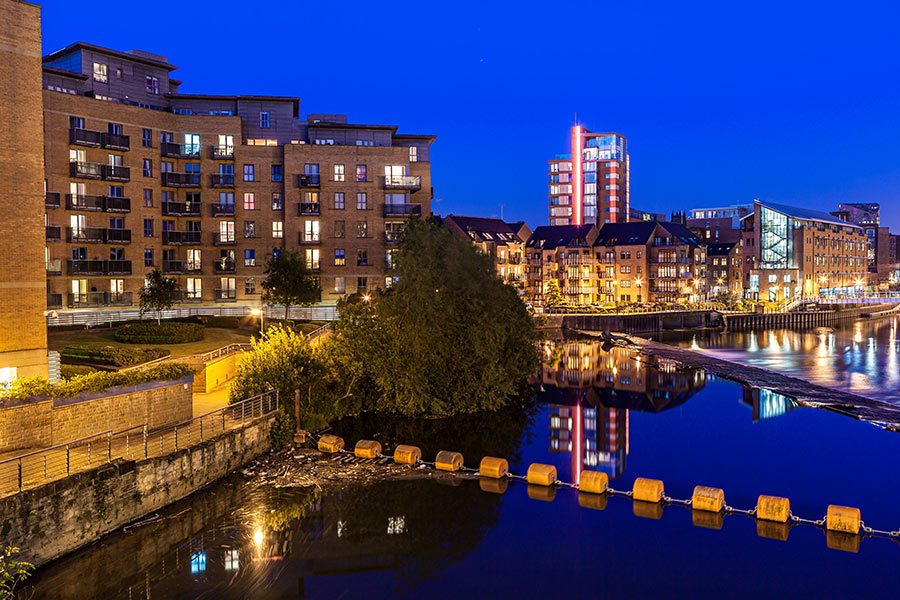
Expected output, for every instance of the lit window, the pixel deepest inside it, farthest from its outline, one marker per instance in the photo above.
(249, 201)
(339, 200)
(339, 172)
(249, 173)
(198, 562)
(277, 230)
(100, 72)
(340, 257)
(413, 154)
(265, 120)
(152, 84)
(232, 560)
(340, 287)
(362, 201)
(250, 258)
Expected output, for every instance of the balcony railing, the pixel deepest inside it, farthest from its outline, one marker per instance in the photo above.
(116, 173)
(226, 239)
(222, 180)
(308, 180)
(225, 295)
(54, 266)
(114, 141)
(223, 210)
(170, 150)
(52, 233)
(189, 297)
(402, 182)
(98, 203)
(100, 299)
(309, 209)
(85, 137)
(86, 170)
(54, 300)
(116, 204)
(181, 209)
(181, 238)
(223, 266)
(181, 180)
(85, 235)
(98, 267)
(310, 239)
(51, 200)
(117, 236)
(177, 267)
(402, 210)
(220, 152)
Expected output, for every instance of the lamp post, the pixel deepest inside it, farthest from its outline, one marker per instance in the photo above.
(637, 283)
(257, 312)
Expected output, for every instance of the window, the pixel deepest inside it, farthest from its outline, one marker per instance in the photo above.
(249, 229)
(338, 201)
(76, 122)
(250, 258)
(361, 173)
(249, 173)
(277, 201)
(152, 84)
(277, 230)
(413, 154)
(362, 201)
(340, 285)
(277, 173)
(339, 172)
(362, 258)
(249, 201)
(362, 284)
(147, 138)
(339, 229)
(265, 120)
(311, 231)
(148, 257)
(250, 286)
(100, 73)
(148, 227)
(148, 198)
(362, 229)
(340, 257)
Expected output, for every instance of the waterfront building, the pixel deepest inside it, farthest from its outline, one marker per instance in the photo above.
(717, 225)
(725, 268)
(23, 330)
(206, 187)
(562, 254)
(503, 242)
(590, 185)
(792, 252)
(882, 262)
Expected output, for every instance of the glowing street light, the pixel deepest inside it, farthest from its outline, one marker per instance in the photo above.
(366, 298)
(257, 312)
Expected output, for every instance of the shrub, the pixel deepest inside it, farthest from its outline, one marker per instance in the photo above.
(70, 371)
(153, 333)
(112, 355)
(98, 381)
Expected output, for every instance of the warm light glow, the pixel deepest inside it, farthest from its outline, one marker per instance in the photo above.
(859, 283)
(366, 298)
(258, 537)
(255, 312)
(638, 281)
(577, 176)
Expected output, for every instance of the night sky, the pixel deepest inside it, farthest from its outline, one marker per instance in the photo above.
(721, 102)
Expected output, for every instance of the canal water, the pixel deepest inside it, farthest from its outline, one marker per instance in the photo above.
(609, 411)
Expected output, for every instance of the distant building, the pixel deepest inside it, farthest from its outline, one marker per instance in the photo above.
(868, 216)
(715, 225)
(502, 241)
(725, 268)
(564, 254)
(590, 185)
(635, 214)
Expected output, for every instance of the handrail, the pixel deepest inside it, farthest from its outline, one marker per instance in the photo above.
(107, 433)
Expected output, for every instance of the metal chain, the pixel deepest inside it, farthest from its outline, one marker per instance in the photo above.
(740, 511)
(669, 500)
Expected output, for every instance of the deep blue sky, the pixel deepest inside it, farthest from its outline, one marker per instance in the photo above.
(721, 102)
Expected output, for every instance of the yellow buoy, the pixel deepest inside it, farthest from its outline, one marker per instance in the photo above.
(593, 482)
(539, 474)
(493, 467)
(330, 443)
(367, 449)
(648, 490)
(842, 518)
(773, 508)
(448, 461)
(407, 455)
(708, 499)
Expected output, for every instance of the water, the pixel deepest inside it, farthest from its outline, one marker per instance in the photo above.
(607, 411)
(863, 358)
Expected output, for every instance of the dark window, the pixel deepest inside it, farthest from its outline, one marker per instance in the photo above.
(148, 257)
(147, 138)
(277, 173)
(148, 227)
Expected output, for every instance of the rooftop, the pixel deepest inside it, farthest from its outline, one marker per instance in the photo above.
(720, 249)
(805, 214)
(550, 237)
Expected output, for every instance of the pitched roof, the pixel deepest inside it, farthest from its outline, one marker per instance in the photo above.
(625, 234)
(135, 55)
(484, 229)
(806, 214)
(550, 237)
(681, 232)
(720, 249)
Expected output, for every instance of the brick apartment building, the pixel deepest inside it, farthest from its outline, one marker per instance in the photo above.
(725, 268)
(504, 242)
(207, 187)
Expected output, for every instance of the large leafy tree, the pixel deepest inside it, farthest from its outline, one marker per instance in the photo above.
(448, 337)
(554, 294)
(289, 281)
(158, 294)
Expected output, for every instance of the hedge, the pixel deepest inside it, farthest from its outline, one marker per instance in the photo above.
(112, 355)
(70, 371)
(165, 333)
(98, 381)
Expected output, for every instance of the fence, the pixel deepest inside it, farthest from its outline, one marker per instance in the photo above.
(325, 312)
(30, 470)
(223, 351)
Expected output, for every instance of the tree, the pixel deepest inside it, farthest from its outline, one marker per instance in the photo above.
(12, 572)
(158, 294)
(554, 294)
(289, 281)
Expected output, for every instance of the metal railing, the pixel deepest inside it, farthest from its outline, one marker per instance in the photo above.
(91, 318)
(36, 468)
(223, 351)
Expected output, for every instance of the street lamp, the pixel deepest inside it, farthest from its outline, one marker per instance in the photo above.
(366, 298)
(638, 282)
(256, 312)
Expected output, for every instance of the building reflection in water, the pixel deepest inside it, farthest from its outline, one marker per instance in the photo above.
(590, 392)
(767, 404)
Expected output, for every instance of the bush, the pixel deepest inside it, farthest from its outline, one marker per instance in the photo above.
(70, 371)
(112, 355)
(165, 333)
(98, 381)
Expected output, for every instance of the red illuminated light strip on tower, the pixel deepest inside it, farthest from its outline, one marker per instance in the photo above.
(577, 177)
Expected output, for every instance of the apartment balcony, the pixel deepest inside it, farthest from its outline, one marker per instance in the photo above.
(86, 170)
(116, 173)
(54, 300)
(223, 266)
(220, 239)
(52, 233)
(186, 297)
(51, 200)
(310, 239)
(223, 210)
(85, 235)
(181, 180)
(225, 295)
(116, 204)
(114, 141)
(181, 209)
(220, 152)
(85, 203)
(170, 150)
(402, 210)
(98, 267)
(403, 182)
(222, 180)
(85, 137)
(308, 180)
(181, 238)
(99, 299)
(54, 266)
(670, 261)
(311, 209)
(117, 236)
(392, 237)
